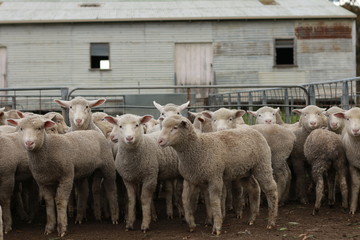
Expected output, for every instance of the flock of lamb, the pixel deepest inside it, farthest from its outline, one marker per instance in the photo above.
(215, 157)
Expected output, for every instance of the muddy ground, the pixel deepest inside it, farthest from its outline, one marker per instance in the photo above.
(295, 222)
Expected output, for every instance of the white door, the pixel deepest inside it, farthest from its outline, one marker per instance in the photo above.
(3, 67)
(193, 65)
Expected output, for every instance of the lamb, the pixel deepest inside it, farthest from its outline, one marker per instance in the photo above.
(170, 109)
(223, 119)
(140, 160)
(80, 113)
(57, 160)
(201, 122)
(311, 118)
(334, 123)
(351, 142)
(59, 120)
(14, 166)
(99, 120)
(206, 160)
(4, 129)
(267, 115)
(325, 153)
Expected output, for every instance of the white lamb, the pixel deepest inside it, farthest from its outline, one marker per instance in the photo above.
(56, 160)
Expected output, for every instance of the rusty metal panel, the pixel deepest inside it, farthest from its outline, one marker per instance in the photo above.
(324, 45)
(323, 30)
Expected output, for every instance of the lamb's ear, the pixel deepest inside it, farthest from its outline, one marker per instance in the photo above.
(340, 115)
(252, 113)
(158, 106)
(145, 119)
(49, 124)
(2, 109)
(97, 102)
(13, 122)
(20, 114)
(63, 103)
(201, 119)
(277, 110)
(239, 113)
(207, 114)
(111, 119)
(297, 111)
(185, 105)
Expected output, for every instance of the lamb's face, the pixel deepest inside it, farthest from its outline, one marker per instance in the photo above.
(170, 109)
(171, 131)
(79, 109)
(223, 118)
(311, 117)
(266, 115)
(352, 121)
(32, 131)
(334, 122)
(128, 128)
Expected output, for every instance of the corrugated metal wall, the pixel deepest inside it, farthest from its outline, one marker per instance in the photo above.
(143, 53)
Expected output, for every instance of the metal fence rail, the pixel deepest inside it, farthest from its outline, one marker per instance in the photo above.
(138, 99)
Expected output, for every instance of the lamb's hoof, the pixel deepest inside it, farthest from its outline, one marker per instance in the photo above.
(49, 230)
(145, 229)
(250, 223)
(7, 230)
(62, 234)
(78, 221)
(115, 222)
(192, 229)
(345, 210)
(170, 217)
(128, 228)
(270, 226)
(352, 212)
(304, 201)
(216, 232)
(315, 211)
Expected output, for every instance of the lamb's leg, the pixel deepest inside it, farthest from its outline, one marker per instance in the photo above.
(229, 196)
(215, 189)
(6, 190)
(342, 173)
(153, 211)
(96, 191)
(82, 188)
(147, 191)
(131, 209)
(331, 187)
(209, 217)
(48, 194)
(19, 201)
(299, 169)
(286, 194)
(61, 199)
(109, 183)
(71, 203)
(268, 186)
(239, 199)
(169, 193)
(251, 186)
(355, 186)
(177, 196)
(281, 178)
(319, 193)
(187, 197)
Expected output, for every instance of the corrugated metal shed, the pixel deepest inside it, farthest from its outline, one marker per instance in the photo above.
(142, 10)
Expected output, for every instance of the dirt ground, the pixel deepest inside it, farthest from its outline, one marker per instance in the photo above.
(294, 222)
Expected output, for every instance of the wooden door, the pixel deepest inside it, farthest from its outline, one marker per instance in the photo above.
(3, 67)
(193, 65)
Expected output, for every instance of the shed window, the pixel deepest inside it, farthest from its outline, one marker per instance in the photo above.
(99, 56)
(284, 52)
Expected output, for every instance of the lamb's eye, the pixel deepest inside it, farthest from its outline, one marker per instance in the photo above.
(70, 107)
(136, 125)
(230, 119)
(175, 127)
(273, 114)
(178, 113)
(163, 114)
(120, 126)
(21, 129)
(259, 115)
(39, 129)
(347, 119)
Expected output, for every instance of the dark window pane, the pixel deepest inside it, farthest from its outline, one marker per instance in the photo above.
(284, 56)
(95, 61)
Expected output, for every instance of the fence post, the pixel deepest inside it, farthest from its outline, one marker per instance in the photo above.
(1, 226)
(264, 98)
(287, 107)
(65, 111)
(250, 107)
(345, 96)
(312, 97)
(238, 100)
